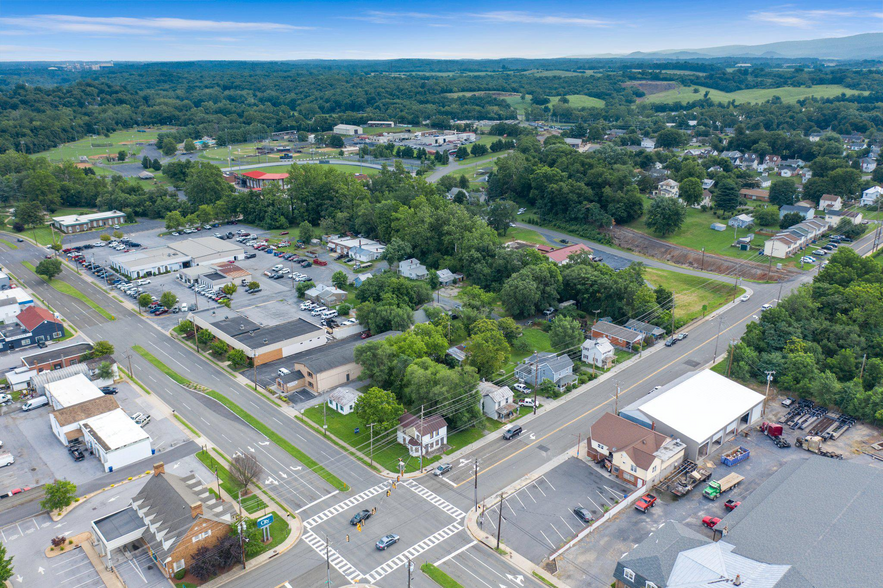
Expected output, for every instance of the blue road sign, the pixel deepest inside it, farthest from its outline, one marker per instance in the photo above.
(265, 521)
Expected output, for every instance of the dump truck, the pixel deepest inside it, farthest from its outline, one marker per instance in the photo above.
(689, 481)
(717, 487)
(813, 443)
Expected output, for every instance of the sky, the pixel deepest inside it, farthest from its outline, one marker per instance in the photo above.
(185, 30)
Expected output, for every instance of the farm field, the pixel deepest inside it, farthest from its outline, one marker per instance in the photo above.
(88, 146)
(787, 94)
(692, 292)
(576, 101)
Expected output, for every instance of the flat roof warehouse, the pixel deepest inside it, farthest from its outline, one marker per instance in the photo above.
(176, 256)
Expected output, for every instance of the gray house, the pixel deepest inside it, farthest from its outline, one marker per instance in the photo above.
(546, 366)
(652, 331)
(741, 221)
(806, 211)
(496, 402)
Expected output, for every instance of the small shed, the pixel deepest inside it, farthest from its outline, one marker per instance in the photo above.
(343, 400)
(718, 227)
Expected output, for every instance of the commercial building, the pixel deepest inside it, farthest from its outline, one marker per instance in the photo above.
(380, 123)
(561, 256)
(214, 276)
(826, 505)
(12, 302)
(79, 223)
(57, 357)
(67, 423)
(343, 400)
(176, 256)
(347, 130)
(633, 453)
(32, 326)
(356, 247)
(327, 367)
(70, 391)
(172, 517)
(703, 409)
(116, 440)
(257, 180)
(263, 343)
(618, 336)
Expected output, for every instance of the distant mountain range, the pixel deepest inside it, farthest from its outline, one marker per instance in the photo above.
(864, 46)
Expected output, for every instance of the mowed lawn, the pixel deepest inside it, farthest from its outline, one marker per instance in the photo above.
(97, 145)
(576, 101)
(692, 292)
(521, 234)
(787, 94)
(537, 340)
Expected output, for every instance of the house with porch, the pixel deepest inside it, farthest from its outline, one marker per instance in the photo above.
(412, 268)
(497, 402)
(426, 436)
(598, 352)
(546, 366)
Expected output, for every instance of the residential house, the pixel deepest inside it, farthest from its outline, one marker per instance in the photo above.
(411, 268)
(635, 454)
(368, 252)
(791, 240)
(453, 192)
(598, 352)
(770, 162)
(561, 256)
(648, 143)
(741, 221)
(458, 352)
(815, 137)
(833, 217)
(546, 366)
(806, 203)
(830, 202)
(448, 278)
(869, 164)
(796, 163)
(327, 295)
(422, 436)
(787, 171)
(749, 162)
(871, 196)
(575, 143)
(755, 194)
(667, 189)
(650, 331)
(707, 184)
(497, 402)
(32, 326)
(735, 157)
(806, 211)
(360, 279)
(343, 400)
(618, 336)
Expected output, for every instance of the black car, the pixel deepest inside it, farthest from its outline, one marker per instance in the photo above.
(250, 255)
(109, 390)
(77, 455)
(670, 341)
(360, 517)
(583, 514)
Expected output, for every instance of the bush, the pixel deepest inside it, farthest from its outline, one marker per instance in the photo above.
(58, 541)
(179, 575)
(344, 309)
(18, 227)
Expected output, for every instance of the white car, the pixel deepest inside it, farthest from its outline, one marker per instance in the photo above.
(807, 259)
(765, 307)
(283, 372)
(528, 402)
(521, 388)
(5, 398)
(745, 297)
(143, 282)
(306, 306)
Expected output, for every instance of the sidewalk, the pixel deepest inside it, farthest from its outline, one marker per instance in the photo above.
(110, 579)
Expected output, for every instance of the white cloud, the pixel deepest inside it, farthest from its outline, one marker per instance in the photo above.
(60, 23)
(382, 17)
(541, 19)
(801, 19)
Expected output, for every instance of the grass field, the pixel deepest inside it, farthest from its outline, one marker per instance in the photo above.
(66, 288)
(520, 234)
(251, 504)
(118, 140)
(692, 292)
(439, 577)
(537, 339)
(787, 94)
(576, 101)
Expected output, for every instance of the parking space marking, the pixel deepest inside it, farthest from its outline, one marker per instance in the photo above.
(531, 495)
(456, 553)
(548, 482)
(595, 503)
(540, 489)
(565, 523)
(615, 495)
(519, 500)
(603, 497)
(557, 531)
(547, 539)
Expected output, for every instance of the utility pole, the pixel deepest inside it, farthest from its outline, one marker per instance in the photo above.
(324, 418)
(475, 476)
(769, 269)
(241, 530)
(371, 426)
(500, 520)
(672, 314)
(720, 323)
(702, 267)
(409, 572)
(536, 375)
(421, 439)
(616, 400)
(327, 563)
(779, 298)
(766, 396)
(218, 482)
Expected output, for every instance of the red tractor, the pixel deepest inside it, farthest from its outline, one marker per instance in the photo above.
(774, 432)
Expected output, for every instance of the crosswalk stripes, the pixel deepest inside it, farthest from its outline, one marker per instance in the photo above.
(340, 507)
(435, 499)
(339, 563)
(413, 552)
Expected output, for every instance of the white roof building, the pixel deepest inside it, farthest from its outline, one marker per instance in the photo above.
(71, 391)
(703, 409)
(76, 223)
(348, 130)
(116, 440)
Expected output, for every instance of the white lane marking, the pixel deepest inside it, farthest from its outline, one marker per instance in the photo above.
(604, 497)
(473, 575)
(172, 358)
(540, 489)
(547, 482)
(300, 436)
(547, 539)
(205, 421)
(485, 565)
(595, 503)
(315, 502)
(565, 522)
(456, 553)
(448, 481)
(152, 378)
(519, 500)
(616, 496)
(554, 528)
(185, 406)
(531, 495)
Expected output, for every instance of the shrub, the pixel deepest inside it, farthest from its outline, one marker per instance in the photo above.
(58, 541)
(179, 575)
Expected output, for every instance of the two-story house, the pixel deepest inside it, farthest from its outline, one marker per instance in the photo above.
(546, 366)
(426, 436)
(634, 454)
(668, 189)
(598, 352)
(830, 202)
(497, 402)
(411, 268)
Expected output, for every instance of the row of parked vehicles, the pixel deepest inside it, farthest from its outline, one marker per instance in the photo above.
(318, 310)
(209, 292)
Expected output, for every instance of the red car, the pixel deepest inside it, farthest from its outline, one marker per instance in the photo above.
(646, 502)
(366, 334)
(710, 522)
(319, 262)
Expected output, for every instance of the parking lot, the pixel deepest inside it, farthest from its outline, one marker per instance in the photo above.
(40, 457)
(539, 517)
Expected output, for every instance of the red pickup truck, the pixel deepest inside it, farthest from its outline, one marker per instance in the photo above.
(646, 502)
(319, 262)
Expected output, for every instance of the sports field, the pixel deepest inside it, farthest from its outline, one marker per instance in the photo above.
(787, 94)
(102, 145)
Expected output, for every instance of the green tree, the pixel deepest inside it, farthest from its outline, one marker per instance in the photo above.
(168, 299)
(144, 300)
(767, 216)
(462, 152)
(666, 216)
(145, 162)
(174, 220)
(691, 191)
(105, 237)
(29, 213)
(478, 150)
(339, 280)
(48, 268)
(205, 214)
(790, 219)
(168, 147)
(670, 139)
(156, 165)
(229, 289)
(379, 407)
(727, 196)
(219, 348)
(253, 284)
(189, 146)
(117, 234)
(101, 348)
(237, 358)
(104, 371)
(487, 352)
(56, 247)
(205, 184)
(500, 215)
(396, 251)
(782, 192)
(121, 155)
(252, 537)
(6, 570)
(58, 495)
(510, 329)
(302, 288)
(305, 230)
(335, 141)
(205, 337)
(565, 333)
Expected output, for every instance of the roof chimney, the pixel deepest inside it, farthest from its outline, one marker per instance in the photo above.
(738, 580)
(159, 468)
(196, 509)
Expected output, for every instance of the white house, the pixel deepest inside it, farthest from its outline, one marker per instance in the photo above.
(598, 352)
(668, 189)
(116, 440)
(13, 302)
(343, 400)
(411, 268)
(869, 164)
(830, 202)
(741, 221)
(425, 436)
(497, 402)
(871, 195)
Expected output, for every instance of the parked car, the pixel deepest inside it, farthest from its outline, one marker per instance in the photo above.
(528, 402)
(110, 390)
(710, 522)
(583, 514)
(512, 432)
(442, 469)
(77, 455)
(670, 341)
(5, 399)
(731, 504)
(646, 502)
(521, 387)
(387, 541)
(681, 336)
(360, 517)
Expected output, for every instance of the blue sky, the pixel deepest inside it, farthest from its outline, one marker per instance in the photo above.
(164, 30)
